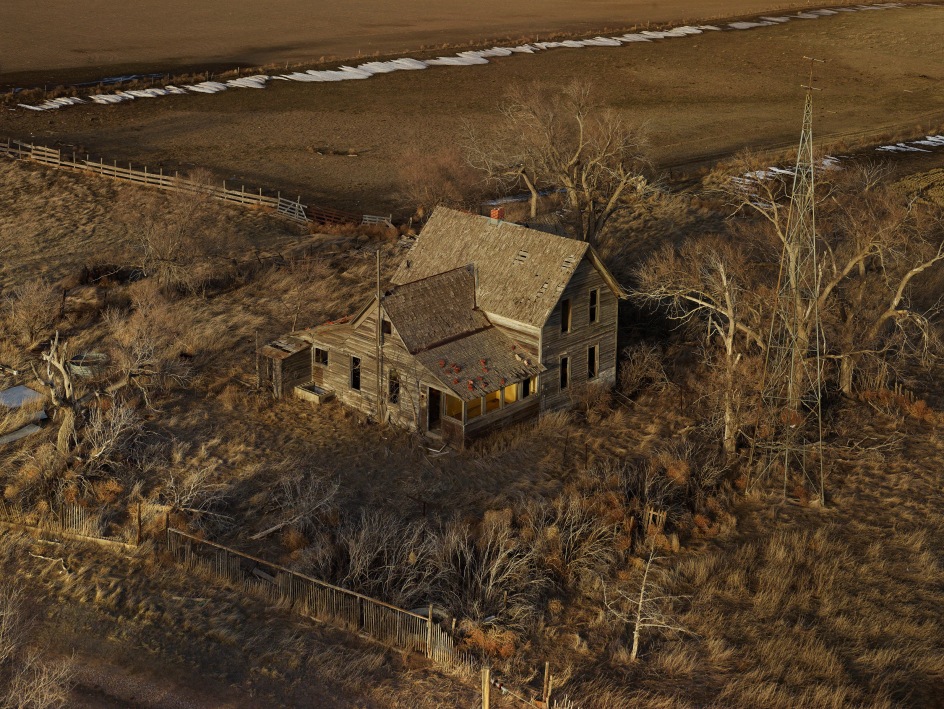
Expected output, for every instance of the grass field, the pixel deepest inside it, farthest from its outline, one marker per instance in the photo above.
(50, 40)
(699, 97)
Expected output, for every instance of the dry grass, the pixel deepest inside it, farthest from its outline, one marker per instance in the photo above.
(789, 606)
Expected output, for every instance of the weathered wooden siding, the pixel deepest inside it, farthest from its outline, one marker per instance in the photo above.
(582, 335)
(410, 411)
(296, 369)
(518, 412)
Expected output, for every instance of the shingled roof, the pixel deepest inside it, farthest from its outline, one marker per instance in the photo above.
(433, 310)
(521, 272)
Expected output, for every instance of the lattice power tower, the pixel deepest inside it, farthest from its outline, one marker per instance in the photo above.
(788, 438)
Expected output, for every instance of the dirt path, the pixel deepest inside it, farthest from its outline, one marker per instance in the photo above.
(103, 685)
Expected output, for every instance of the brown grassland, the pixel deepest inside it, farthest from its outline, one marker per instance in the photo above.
(532, 537)
(347, 145)
(785, 605)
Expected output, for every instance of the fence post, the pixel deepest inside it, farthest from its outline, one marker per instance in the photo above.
(546, 694)
(429, 632)
(486, 686)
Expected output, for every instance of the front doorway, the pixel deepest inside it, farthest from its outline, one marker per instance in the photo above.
(433, 409)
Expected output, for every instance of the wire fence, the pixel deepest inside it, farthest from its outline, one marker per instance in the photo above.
(174, 182)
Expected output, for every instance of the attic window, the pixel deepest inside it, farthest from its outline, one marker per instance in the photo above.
(521, 257)
(568, 263)
(385, 327)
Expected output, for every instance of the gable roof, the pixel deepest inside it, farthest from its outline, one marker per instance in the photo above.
(521, 272)
(433, 310)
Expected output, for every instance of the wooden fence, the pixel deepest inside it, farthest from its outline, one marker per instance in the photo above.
(72, 521)
(292, 209)
(308, 596)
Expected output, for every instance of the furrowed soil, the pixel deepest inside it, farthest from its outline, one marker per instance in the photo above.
(343, 144)
(51, 39)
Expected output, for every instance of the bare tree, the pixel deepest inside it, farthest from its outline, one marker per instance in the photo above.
(27, 680)
(646, 609)
(564, 140)
(871, 247)
(177, 237)
(717, 284)
(32, 309)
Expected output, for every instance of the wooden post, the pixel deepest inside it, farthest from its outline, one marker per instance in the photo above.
(167, 530)
(137, 541)
(379, 334)
(486, 686)
(429, 632)
(546, 694)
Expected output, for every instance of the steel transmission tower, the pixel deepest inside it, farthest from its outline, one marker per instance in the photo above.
(788, 438)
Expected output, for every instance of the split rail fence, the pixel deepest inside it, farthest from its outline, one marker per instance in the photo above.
(292, 209)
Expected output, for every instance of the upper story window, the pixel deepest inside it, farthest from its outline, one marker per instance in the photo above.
(385, 327)
(321, 357)
(565, 315)
(595, 306)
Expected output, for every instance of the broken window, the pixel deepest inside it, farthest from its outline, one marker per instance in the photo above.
(565, 315)
(386, 327)
(528, 387)
(321, 357)
(453, 408)
(393, 387)
(510, 394)
(473, 408)
(356, 373)
(593, 353)
(564, 372)
(594, 305)
(492, 401)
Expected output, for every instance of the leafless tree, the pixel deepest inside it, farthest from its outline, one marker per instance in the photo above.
(711, 281)
(27, 680)
(300, 494)
(32, 308)
(177, 237)
(646, 609)
(564, 140)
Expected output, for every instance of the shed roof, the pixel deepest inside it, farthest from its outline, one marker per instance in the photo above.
(432, 310)
(521, 272)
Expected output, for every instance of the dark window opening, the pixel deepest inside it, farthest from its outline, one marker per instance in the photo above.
(594, 303)
(434, 409)
(321, 357)
(356, 373)
(526, 388)
(565, 316)
(386, 328)
(564, 372)
(592, 362)
(393, 388)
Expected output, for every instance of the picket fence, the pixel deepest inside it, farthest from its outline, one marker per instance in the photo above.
(317, 599)
(291, 209)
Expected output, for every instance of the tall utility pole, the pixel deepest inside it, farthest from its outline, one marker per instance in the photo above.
(789, 438)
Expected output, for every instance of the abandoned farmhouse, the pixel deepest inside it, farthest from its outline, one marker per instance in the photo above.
(485, 323)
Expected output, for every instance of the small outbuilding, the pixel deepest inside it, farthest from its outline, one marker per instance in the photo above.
(486, 323)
